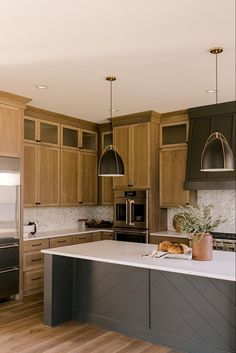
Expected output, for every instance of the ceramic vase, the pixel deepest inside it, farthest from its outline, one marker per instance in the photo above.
(202, 247)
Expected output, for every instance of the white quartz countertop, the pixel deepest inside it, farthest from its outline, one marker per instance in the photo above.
(61, 233)
(169, 233)
(125, 253)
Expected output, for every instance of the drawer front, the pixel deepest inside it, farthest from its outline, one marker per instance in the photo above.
(33, 260)
(60, 241)
(107, 236)
(37, 244)
(96, 236)
(33, 280)
(82, 238)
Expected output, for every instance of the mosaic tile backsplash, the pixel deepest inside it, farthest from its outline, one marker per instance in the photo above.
(54, 218)
(224, 202)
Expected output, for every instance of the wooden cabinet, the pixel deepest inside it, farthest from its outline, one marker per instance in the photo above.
(107, 235)
(173, 157)
(41, 176)
(61, 241)
(10, 131)
(88, 178)
(106, 192)
(156, 239)
(33, 263)
(41, 131)
(133, 144)
(172, 175)
(69, 177)
(75, 138)
(82, 238)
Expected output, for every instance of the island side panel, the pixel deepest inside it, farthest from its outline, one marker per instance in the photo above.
(194, 314)
(112, 296)
(58, 289)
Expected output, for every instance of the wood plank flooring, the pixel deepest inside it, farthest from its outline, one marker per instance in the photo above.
(22, 331)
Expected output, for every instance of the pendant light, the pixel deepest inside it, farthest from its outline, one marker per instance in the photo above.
(217, 155)
(110, 163)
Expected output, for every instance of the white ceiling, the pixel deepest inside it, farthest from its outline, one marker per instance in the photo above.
(158, 49)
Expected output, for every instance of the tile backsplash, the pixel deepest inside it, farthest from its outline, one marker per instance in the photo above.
(224, 202)
(54, 218)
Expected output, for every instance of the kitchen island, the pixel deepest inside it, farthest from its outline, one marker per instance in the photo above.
(185, 304)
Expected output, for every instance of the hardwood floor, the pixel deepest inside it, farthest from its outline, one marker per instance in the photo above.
(22, 331)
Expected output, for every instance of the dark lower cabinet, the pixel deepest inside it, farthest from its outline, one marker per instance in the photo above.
(203, 121)
(191, 314)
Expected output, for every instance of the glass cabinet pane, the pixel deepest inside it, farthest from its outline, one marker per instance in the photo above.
(29, 129)
(49, 133)
(174, 134)
(89, 141)
(70, 137)
(107, 140)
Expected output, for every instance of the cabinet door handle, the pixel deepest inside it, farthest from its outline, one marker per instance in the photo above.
(36, 278)
(82, 238)
(80, 201)
(130, 185)
(37, 244)
(61, 241)
(33, 260)
(81, 147)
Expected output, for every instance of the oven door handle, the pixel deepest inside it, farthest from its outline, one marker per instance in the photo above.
(126, 213)
(131, 203)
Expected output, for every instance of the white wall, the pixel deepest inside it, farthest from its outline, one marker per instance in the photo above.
(55, 218)
(224, 202)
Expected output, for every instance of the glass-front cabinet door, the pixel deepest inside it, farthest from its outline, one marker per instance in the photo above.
(49, 133)
(69, 137)
(29, 129)
(40, 131)
(88, 141)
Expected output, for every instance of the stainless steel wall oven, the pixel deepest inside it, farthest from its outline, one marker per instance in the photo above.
(131, 215)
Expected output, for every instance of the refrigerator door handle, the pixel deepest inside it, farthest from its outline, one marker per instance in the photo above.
(9, 270)
(7, 246)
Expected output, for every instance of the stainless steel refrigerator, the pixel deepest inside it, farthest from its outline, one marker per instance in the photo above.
(9, 226)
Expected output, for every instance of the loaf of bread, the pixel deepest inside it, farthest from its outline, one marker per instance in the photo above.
(172, 248)
(164, 245)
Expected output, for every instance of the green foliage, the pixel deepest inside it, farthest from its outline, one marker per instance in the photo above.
(198, 220)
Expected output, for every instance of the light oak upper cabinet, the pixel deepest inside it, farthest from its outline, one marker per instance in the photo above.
(173, 154)
(172, 175)
(88, 176)
(41, 176)
(49, 176)
(30, 175)
(41, 132)
(11, 124)
(69, 177)
(133, 144)
(78, 166)
(122, 144)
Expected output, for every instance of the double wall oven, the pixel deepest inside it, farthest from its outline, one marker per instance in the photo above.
(131, 215)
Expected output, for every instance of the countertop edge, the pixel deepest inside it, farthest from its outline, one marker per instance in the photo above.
(62, 233)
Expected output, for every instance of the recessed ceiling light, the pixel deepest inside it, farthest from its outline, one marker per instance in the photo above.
(211, 91)
(42, 87)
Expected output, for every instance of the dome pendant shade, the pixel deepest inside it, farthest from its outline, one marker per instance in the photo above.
(217, 155)
(110, 163)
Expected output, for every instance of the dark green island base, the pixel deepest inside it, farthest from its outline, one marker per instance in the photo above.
(192, 314)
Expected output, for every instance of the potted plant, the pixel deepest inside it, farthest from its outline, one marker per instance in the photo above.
(198, 222)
